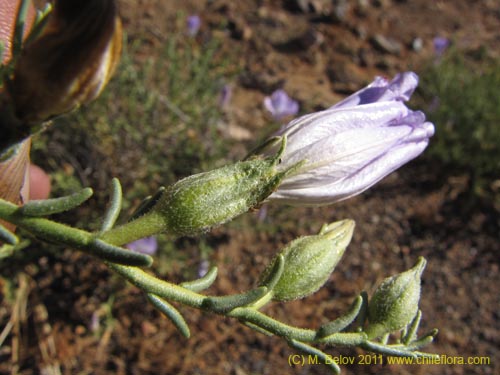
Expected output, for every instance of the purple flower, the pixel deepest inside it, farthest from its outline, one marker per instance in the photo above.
(95, 323)
(193, 25)
(225, 96)
(340, 152)
(146, 245)
(280, 105)
(203, 267)
(441, 44)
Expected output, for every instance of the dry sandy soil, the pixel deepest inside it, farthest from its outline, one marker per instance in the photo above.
(319, 51)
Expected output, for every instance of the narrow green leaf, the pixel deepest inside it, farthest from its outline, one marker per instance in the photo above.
(202, 283)
(391, 350)
(17, 40)
(321, 356)
(7, 236)
(342, 322)
(115, 206)
(40, 22)
(256, 328)
(276, 272)
(47, 207)
(411, 331)
(228, 303)
(423, 341)
(346, 339)
(171, 313)
(117, 254)
(9, 250)
(363, 312)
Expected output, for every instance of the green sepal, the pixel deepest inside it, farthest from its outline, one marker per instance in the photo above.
(309, 261)
(227, 303)
(147, 204)
(269, 143)
(45, 207)
(342, 322)
(200, 202)
(171, 313)
(202, 283)
(395, 302)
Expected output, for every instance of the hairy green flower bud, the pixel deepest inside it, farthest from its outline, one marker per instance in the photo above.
(395, 302)
(199, 202)
(308, 262)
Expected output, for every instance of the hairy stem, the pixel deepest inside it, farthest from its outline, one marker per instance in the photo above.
(144, 226)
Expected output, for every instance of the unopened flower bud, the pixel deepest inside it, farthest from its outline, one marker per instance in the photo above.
(200, 202)
(309, 262)
(69, 63)
(395, 302)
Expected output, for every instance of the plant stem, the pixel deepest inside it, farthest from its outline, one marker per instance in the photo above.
(161, 288)
(144, 226)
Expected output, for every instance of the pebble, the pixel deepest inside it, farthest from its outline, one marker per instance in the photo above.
(386, 44)
(417, 44)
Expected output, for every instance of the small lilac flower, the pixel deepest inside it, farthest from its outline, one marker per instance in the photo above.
(95, 323)
(345, 149)
(441, 44)
(193, 24)
(146, 245)
(203, 268)
(225, 96)
(280, 105)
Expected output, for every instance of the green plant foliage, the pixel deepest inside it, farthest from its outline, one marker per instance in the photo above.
(462, 92)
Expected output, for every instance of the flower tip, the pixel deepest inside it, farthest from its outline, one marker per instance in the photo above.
(403, 85)
(420, 265)
(340, 231)
(429, 129)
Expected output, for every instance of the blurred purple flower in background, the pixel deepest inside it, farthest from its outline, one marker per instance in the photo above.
(94, 323)
(225, 96)
(146, 245)
(280, 105)
(203, 268)
(193, 25)
(441, 44)
(349, 147)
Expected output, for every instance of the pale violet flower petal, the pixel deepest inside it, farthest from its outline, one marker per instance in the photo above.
(311, 128)
(280, 105)
(400, 88)
(342, 151)
(352, 185)
(193, 24)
